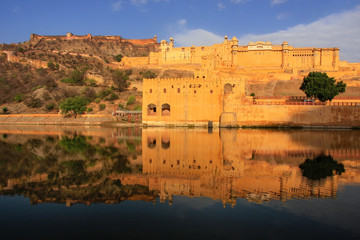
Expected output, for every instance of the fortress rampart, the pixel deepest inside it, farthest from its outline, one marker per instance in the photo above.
(70, 36)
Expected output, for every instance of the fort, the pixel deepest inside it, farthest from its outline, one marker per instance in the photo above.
(216, 96)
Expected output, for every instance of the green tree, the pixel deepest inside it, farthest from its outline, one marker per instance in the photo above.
(120, 79)
(118, 57)
(319, 85)
(74, 105)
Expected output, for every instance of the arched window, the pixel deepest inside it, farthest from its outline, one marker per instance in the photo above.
(228, 88)
(165, 109)
(151, 109)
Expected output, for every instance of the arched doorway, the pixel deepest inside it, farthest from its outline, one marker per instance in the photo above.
(165, 109)
(151, 109)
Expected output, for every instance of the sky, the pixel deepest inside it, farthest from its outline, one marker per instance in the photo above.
(302, 23)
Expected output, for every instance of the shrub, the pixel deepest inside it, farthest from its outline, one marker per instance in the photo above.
(34, 102)
(104, 93)
(252, 94)
(49, 107)
(102, 107)
(91, 82)
(97, 100)
(118, 57)
(89, 110)
(138, 108)
(131, 100)
(120, 79)
(5, 110)
(112, 97)
(148, 74)
(121, 106)
(89, 93)
(19, 98)
(51, 65)
(77, 77)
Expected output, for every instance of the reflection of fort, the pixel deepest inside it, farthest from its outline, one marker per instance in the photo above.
(224, 167)
(257, 165)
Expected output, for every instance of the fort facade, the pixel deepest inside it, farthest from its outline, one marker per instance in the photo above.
(221, 102)
(259, 55)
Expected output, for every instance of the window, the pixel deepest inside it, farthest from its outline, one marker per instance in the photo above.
(150, 90)
(164, 90)
(178, 90)
(211, 91)
(194, 91)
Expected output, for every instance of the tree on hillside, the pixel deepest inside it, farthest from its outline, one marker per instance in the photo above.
(319, 85)
(74, 105)
(120, 79)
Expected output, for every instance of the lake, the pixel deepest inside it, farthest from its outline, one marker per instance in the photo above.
(178, 183)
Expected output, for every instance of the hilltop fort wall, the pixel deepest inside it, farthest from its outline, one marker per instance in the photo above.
(70, 36)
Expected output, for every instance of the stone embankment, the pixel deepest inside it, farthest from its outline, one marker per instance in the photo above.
(55, 119)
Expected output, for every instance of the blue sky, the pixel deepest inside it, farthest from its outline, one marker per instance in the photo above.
(303, 23)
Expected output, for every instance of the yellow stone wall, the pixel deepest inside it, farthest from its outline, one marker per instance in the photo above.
(259, 55)
(196, 101)
(191, 100)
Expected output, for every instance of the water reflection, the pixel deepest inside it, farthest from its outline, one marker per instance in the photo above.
(112, 165)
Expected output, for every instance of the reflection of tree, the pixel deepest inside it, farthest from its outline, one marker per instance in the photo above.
(321, 167)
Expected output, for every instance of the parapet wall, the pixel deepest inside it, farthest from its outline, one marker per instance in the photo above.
(303, 115)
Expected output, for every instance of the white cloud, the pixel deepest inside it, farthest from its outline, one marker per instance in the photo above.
(282, 16)
(197, 37)
(140, 3)
(276, 2)
(221, 6)
(116, 6)
(182, 22)
(240, 1)
(336, 30)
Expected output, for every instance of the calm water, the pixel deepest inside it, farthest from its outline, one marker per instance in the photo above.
(133, 183)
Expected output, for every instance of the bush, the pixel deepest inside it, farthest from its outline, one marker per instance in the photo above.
(121, 106)
(148, 74)
(112, 97)
(77, 77)
(19, 98)
(49, 107)
(34, 102)
(102, 107)
(89, 110)
(5, 110)
(118, 57)
(97, 100)
(51, 65)
(89, 93)
(104, 93)
(131, 100)
(91, 82)
(120, 79)
(137, 108)
(252, 94)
